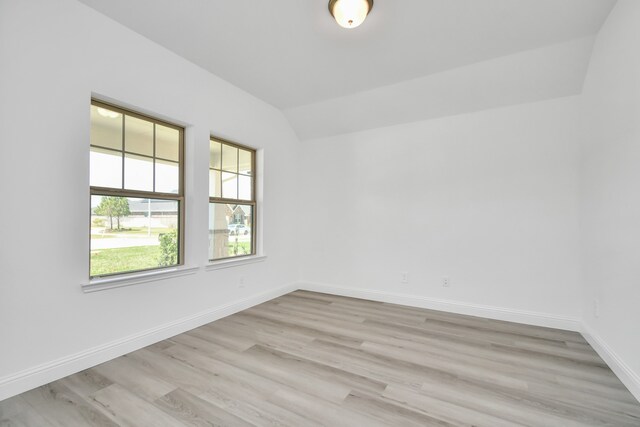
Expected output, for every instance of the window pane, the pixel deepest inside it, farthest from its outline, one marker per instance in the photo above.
(167, 143)
(214, 183)
(245, 162)
(130, 234)
(229, 185)
(244, 187)
(229, 158)
(167, 177)
(105, 168)
(106, 128)
(230, 231)
(215, 154)
(138, 137)
(138, 173)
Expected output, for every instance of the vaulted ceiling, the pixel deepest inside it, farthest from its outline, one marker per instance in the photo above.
(291, 54)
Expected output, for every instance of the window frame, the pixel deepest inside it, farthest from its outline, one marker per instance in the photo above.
(122, 192)
(253, 202)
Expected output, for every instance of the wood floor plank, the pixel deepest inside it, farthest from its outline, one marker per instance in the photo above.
(256, 409)
(86, 382)
(230, 329)
(333, 375)
(312, 359)
(12, 407)
(193, 342)
(264, 331)
(512, 405)
(308, 382)
(209, 333)
(29, 418)
(62, 407)
(311, 329)
(330, 413)
(125, 372)
(389, 412)
(130, 410)
(447, 411)
(240, 392)
(193, 411)
(171, 371)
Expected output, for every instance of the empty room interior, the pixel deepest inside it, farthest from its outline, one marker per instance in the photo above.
(320, 212)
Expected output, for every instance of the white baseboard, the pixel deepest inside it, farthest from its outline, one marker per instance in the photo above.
(623, 371)
(42, 374)
(490, 312)
(30, 378)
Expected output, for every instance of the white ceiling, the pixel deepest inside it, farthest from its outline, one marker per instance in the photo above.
(534, 75)
(290, 53)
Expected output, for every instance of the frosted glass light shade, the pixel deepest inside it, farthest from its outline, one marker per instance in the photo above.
(350, 13)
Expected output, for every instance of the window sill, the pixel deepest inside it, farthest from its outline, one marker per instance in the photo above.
(133, 279)
(233, 262)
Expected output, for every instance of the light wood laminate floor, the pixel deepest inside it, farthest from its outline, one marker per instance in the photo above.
(314, 359)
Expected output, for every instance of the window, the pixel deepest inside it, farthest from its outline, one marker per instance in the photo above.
(137, 192)
(232, 200)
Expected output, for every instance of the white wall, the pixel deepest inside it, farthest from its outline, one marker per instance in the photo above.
(611, 189)
(53, 56)
(487, 199)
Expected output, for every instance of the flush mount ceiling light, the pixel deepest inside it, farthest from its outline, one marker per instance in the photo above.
(350, 13)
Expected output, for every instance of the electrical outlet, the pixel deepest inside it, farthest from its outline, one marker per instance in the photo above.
(404, 277)
(596, 308)
(445, 282)
(241, 282)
